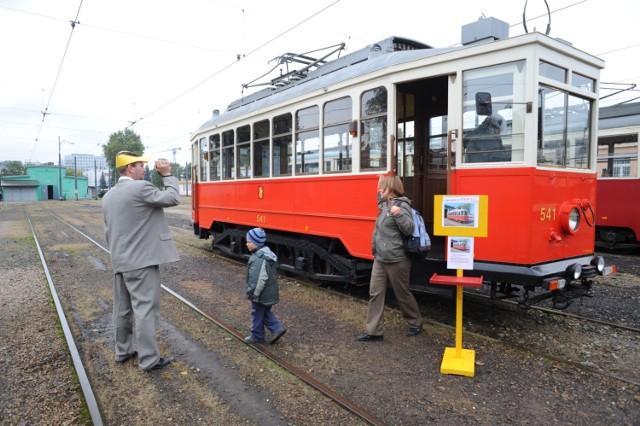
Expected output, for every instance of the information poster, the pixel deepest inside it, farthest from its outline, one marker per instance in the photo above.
(460, 215)
(460, 253)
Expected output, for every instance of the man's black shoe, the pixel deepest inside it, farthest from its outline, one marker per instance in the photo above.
(126, 357)
(162, 362)
(414, 331)
(369, 338)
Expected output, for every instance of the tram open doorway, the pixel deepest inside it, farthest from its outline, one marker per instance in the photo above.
(421, 160)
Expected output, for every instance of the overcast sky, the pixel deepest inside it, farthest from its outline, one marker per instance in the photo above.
(166, 65)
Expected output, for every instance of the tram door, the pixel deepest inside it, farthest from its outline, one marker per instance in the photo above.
(421, 144)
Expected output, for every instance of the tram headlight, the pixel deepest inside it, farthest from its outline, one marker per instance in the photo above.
(570, 218)
(574, 271)
(598, 262)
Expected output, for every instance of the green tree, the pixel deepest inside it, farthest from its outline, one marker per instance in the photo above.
(69, 172)
(123, 140)
(14, 168)
(103, 181)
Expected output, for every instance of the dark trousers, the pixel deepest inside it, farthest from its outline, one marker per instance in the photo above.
(261, 317)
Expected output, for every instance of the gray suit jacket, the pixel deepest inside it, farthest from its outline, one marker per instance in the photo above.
(135, 226)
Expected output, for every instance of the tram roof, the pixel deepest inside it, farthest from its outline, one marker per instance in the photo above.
(386, 53)
(623, 115)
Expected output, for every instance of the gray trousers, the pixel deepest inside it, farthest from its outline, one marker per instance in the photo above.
(136, 294)
(398, 275)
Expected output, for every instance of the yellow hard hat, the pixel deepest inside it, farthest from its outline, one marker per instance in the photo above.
(124, 158)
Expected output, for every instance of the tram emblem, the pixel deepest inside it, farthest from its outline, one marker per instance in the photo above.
(260, 192)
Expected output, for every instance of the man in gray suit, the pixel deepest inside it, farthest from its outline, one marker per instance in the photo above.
(139, 240)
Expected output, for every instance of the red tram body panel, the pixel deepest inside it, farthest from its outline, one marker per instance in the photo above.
(524, 212)
(341, 207)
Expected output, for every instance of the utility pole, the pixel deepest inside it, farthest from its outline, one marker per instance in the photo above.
(59, 170)
(75, 176)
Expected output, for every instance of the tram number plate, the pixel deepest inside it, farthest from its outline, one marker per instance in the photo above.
(547, 214)
(261, 218)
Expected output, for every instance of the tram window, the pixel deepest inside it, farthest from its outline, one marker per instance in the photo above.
(498, 136)
(618, 156)
(214, 157)
(244, 152)
(437, 156)
(565, 129)
(553, 72)
(282, 145)
(261, 149)
(373, 141)
(405, 134)
(308, 140)
(228, 155)
(584, 83)
(337, 149)
(204, 158)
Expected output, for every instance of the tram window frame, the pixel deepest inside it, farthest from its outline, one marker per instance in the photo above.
(261, 149)
(405, 134)
(307, 141)
(499, 136)
(373, 122)
(564, 129)
(337, 154)
(214, 157)
(204, 158)
(618, 156)
(228, 155)
(243, 149)
(282, 142)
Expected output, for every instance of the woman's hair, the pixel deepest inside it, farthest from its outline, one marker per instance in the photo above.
(393, 183)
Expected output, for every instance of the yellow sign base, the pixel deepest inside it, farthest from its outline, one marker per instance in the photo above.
(463, 365)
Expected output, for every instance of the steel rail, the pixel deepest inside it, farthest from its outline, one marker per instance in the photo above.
(87, 390)
(342, 401)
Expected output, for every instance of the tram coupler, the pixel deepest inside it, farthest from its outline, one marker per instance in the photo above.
(506, 290)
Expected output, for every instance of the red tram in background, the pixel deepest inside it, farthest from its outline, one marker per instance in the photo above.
(618, 196)
(510, 118)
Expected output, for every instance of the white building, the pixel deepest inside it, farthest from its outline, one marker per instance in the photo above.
(85, 162)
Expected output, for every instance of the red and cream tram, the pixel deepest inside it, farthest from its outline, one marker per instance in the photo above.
(618, 214)
(510, 118)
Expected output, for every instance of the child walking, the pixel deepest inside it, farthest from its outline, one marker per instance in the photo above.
(262, 288)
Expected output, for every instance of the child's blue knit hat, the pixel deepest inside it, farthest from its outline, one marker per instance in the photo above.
(257, 236)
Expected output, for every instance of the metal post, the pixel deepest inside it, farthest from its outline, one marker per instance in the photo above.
(59, 170)
(75, 175)
(95, 177)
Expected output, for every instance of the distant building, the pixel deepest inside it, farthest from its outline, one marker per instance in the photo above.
(43, 183)
(85, 162)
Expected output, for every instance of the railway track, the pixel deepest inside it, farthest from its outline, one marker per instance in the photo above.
(325, 390)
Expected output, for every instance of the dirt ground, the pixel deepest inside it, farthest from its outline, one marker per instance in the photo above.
(217, 379)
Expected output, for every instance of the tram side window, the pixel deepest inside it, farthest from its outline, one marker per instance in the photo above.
(308, 140)
(204, 158)
(337, 149)
(228, 155)
(373, 141)
(564, 124)
(494, 111)
(618, 156)
(261, 149)
(214, 157)
(244, 152)
(282, 145)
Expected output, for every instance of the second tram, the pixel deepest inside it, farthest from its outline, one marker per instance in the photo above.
(510, 118)
(618, 196)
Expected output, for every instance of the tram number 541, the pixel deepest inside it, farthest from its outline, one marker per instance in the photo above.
(547, 214)
(261, 218)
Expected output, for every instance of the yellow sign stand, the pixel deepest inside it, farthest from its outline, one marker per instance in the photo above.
(457, 360)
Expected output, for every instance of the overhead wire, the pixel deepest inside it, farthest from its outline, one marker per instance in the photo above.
(239, 57)
(66, 49)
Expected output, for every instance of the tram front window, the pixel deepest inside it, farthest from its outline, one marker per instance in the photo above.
(494, 111)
